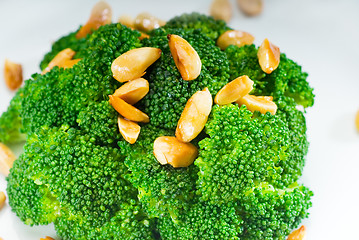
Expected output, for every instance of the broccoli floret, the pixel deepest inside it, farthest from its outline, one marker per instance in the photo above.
(270, 213)
(203, 221)
(58, 96)
(169, 93)
(10, 121)
(162, 189)
(206, 24)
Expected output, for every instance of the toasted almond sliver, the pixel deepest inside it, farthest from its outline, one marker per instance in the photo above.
(2, 199)
(234, 37)
(129, 130)
(147, 22)
(185, 56)
(194, 116)
(127, 20)
(133, 91)
(268, 56)
(101, 14)
(128, 111)
(7, 159)
(169, 150)
(47, 238)
(69, 63)
(234, 90)
(262, 104)
(297, 234)
(221, 10)
(132, 64)
(250, 7)
(13, 74)
(59, 59)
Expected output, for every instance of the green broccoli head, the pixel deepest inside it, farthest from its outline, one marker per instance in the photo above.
(10, 121)
(206, 24)
(168, 91)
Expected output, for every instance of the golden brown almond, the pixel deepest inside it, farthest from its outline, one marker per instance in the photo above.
(262, 104)
(129, 130)
(147, 22)
(297, 234)
(127, 20)
(132, 64)
(268, 56)
(234, 37)
(185, 57)
(133, 91)
(59, 59)
(13, 74)
(69, 63)
(143, 35)
(2, 199)
(234, 90)
(250, 7)
(221, 10)
(101, 14)
(47, 238)
(128, 111)
(194, 116)
(357, 120)
(7, 158)
(169, 150)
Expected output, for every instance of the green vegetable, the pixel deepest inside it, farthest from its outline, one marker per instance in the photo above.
(78, 172)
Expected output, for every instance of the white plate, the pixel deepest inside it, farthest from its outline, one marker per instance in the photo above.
(322, 36)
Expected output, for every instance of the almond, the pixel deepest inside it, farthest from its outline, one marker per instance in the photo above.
(101, 14)
(132, 64)
(194, 116)
(129, 130)
(185, 57)
(7, 159)
(268, 56)
(169, 150)
(250, 7)
(133, 91)
(234, 37)
(234, 90)
(262, 104)
(128, 111)
(13, 75)
(147, 22)
(298, 234)
(221, 10)
(2, 199)
(60, 59)
(357, 120)
(127, 20)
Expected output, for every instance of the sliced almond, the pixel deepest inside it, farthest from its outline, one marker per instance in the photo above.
(268, 56)
(13, 75)
(7, 159)
(128, 111)
(127, 20)
(147, 22)
(194, 116)
(143, 36)
(129, 130)
(132, 64)
(234, 37)
(185, 56)
(250, 7)
(133, 91)
(221, 10)
(101, 14)
(357, 120)
(169, 150)
(262, 104)
(234, 90)
(60, 59)
(47, 238)
(298, 234)
(69, 63)
(2, 199)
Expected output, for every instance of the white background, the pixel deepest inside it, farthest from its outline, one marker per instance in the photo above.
(321, 35)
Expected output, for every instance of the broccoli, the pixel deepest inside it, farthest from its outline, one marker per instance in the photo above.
(10, 121)
(79, 173)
